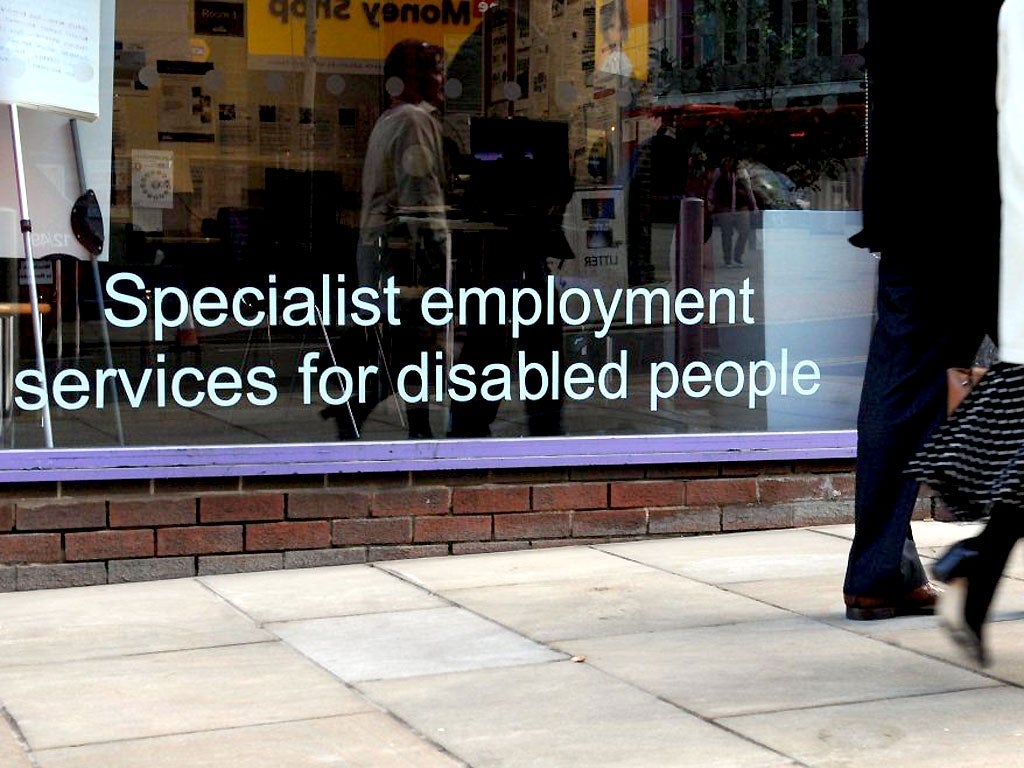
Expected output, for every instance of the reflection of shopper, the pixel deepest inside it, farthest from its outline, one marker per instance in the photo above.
(402, 232)
(732, 200)
(527, 233)
(657, 185)
(614, 23)
(933, 257)
(976, 459)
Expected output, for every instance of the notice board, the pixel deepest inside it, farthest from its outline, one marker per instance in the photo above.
(56, 64)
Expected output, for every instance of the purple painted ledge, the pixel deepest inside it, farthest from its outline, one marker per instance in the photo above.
(494, 453)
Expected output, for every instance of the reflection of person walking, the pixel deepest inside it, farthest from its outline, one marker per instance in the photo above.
(732, 199)
(402, 229)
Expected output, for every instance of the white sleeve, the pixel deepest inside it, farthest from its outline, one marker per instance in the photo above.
(1010, 101)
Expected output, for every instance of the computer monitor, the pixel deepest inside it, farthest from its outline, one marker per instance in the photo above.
(518, 166)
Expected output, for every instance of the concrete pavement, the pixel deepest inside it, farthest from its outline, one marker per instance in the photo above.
(725, 650)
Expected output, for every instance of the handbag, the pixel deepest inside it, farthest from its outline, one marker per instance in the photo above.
(960, 381)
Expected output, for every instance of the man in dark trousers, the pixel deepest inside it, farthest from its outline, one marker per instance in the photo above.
(934, 220)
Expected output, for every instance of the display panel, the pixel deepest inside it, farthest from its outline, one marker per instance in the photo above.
(546, 252)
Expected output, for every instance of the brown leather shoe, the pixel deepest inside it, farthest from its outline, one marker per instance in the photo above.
(917, 602)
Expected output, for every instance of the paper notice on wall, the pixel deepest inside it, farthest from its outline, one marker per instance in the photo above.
(50, 55)
(49, 158)
(186, 106)
(152, 178)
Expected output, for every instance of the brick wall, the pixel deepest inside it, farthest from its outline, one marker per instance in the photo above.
(70, 534)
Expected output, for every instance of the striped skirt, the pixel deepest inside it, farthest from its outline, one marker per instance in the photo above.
(976, 457)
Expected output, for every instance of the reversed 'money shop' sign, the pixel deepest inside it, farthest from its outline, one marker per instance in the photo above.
(49, 55)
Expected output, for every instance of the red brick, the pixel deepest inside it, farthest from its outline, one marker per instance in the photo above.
(54, 517)
(313, 534)
(941, 511)
(647, 493)
(570, 496)
(846, 485)
(467, 528)
(616, 522)
(774, 490)
(329, 504)
(753, 468)
(825, 465)
(395, 530)
(552, 543)
(411, 501)
(685, 520)
(139, 514)
(108, 545)
(196, 486)
(533, 525)
(822, 512)
(30, 548)
(482, 547)
(606, 473)
(751, 517)
(706, 493)
(241, 507)
(7, 516)
(199, 540)
(671, 471)
(406, 551)
(78, 489)
(922, 509)
(494, 498)
(22, 491)
(529, 476)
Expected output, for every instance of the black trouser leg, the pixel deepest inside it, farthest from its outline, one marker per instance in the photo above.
(902, 400)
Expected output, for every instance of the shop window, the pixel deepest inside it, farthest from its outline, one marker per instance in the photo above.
(612, 219)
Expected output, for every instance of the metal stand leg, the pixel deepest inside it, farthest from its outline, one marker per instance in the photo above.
(26, 232)
(104, 331)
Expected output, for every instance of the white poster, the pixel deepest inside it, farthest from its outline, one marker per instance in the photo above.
(152, 178)
(51, 176)
(50, 55)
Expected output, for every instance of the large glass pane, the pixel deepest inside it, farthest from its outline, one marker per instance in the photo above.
(618, 217)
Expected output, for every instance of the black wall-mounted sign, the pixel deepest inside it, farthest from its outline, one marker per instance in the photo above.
(214, 18)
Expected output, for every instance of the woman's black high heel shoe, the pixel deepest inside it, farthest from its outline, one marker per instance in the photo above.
(958, 568)
(953, 618)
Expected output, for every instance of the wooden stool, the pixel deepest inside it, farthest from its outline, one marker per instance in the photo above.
(8, 311)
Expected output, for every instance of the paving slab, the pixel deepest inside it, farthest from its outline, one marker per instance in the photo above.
(722, 559)
(319, 592)
(87, 622)
(368, 740)
(561, 715)
(927, 533)
(980, 728)
(767, 666)
(818, 597)
(612, 605)
(409, 643)
(100, 700)
(440, 574)
(12, 751)
(822, 599)
(1004, 641)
